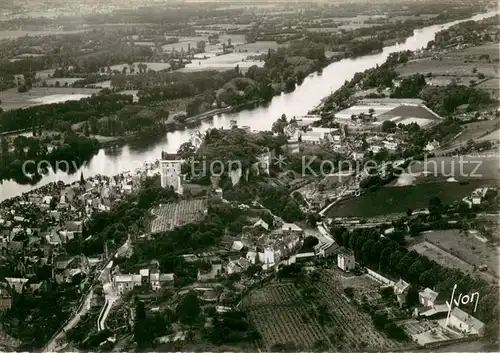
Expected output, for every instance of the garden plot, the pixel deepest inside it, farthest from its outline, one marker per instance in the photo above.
(177, 214)
(352, 327)
(281, 317)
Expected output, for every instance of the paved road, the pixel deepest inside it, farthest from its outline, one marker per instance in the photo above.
(52, 345)
(110, 296)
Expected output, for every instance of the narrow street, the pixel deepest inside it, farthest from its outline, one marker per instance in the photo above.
(109, 294)
(54, 344)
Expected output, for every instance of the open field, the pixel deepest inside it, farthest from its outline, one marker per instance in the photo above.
(177, 214)
(475, 131)
(447, 67)
(391, 199)
(446, 259)
(260, 47)
(222, 62)
(282, 316)
(491, 86)
(468, 248)
(12, 99)
(493, 136)
(456, 64)
(45, 74)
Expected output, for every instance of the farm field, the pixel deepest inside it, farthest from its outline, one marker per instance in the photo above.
(476, 130)
(468, 248)
(453, 64)
(282, 316)
(494, 136)
(177, 214)
(450, 67)
(260, 47)
(222, 62)
(12, 99)
(392, 199)
(491, 86)
(446, 259)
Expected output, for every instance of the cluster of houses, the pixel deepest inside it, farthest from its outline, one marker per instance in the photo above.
(299, 133)
(432, 306)
(149, 276)
(477, 197)
(35, 228)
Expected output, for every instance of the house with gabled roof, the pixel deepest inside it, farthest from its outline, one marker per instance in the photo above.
(465, 323)
(400, 290)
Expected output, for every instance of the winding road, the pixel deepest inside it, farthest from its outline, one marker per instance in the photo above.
(84, 307)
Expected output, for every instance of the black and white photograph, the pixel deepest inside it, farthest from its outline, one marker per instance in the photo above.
(249, 176)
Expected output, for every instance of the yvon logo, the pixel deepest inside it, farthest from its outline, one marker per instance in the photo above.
(461, 299)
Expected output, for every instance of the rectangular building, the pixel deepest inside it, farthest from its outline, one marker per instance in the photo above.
(170, 172)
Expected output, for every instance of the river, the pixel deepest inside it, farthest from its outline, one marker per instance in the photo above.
(297, 103)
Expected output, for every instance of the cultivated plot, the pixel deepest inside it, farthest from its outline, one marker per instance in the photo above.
(468, 248)
(446, 259)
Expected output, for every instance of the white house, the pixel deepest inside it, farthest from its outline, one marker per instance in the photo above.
(346, 261)
(357, 156)
(261, 223)
(268, 256)
(400, 290)
(390, 146)
(17, 284)
(465, 323)
(312, 137)
(214, 271)
(478, 195)
(125, 283)
(427, 297)
(431, 146)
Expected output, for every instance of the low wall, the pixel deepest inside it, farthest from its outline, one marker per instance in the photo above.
(380, 278)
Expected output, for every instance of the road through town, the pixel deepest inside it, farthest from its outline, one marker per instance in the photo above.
(83, 308)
